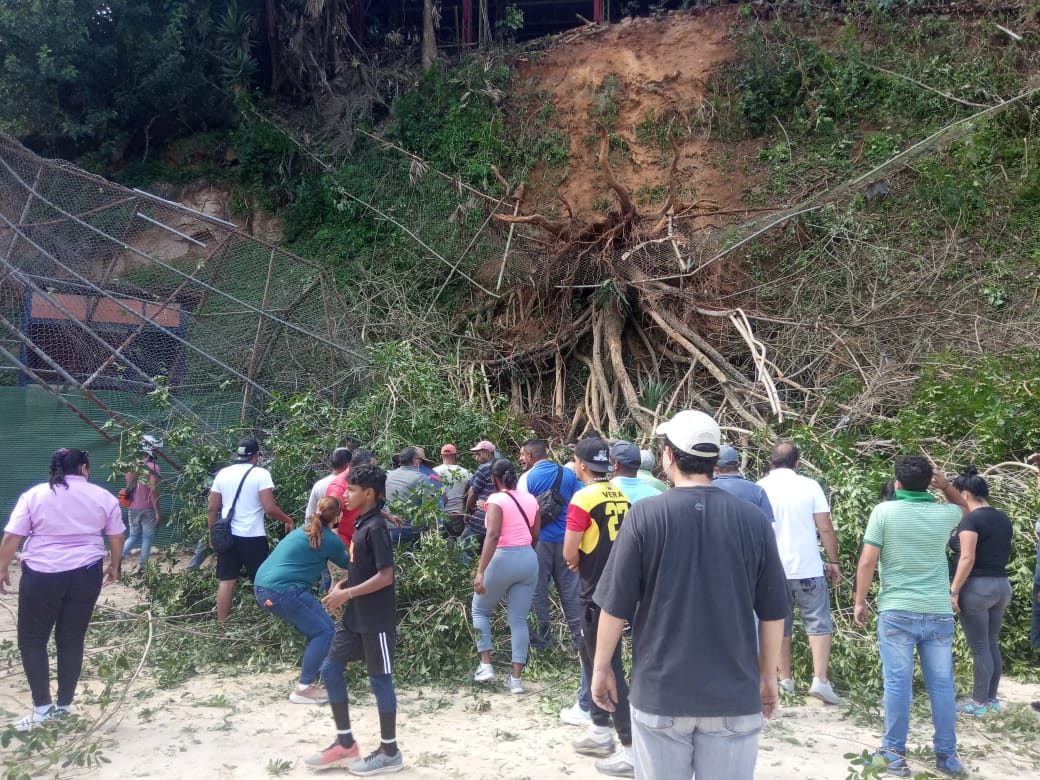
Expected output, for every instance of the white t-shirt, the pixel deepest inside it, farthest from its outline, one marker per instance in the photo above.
(317, 494)
(795, 499)
(455, 479)
(249, 512)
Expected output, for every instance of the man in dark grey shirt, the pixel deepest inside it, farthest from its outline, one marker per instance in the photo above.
(691, 569)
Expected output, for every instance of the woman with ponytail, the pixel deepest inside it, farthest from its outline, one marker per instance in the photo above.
(508, 568)
(61, 522)
(980, 589)
(283, 587)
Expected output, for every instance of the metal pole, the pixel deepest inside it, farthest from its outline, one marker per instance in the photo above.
(25, 210)
(256, 341)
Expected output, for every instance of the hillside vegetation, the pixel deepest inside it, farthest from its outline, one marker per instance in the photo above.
(827, 229)
(814, 223)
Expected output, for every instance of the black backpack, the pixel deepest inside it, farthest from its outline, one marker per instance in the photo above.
(551, 502)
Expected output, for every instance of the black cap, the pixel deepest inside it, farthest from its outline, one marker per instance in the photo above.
(594, 453)
(247, 448)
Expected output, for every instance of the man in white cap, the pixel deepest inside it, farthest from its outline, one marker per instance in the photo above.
(684, 565)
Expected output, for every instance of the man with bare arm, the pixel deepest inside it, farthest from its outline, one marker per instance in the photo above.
(255, 491)
(800, 513)
(685, 563)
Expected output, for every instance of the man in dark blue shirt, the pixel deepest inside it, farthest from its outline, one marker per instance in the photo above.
(728, 478)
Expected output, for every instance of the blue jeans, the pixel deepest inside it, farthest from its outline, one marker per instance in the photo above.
(899, 633)
(302, 611)
(552, 568)
(676, 748)
(201, 553)
(142, 529)
(406, 536)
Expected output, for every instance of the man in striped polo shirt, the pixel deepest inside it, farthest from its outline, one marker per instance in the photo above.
(907, 537)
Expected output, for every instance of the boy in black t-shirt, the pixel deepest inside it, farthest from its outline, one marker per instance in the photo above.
(367, 631)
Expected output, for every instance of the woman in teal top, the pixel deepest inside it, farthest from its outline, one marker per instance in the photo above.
(283, 584)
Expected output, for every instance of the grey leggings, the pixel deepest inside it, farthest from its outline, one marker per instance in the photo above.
(512, 575)
(983, 601)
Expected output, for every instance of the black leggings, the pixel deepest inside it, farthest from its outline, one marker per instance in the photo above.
(61, 602)
(622, 716)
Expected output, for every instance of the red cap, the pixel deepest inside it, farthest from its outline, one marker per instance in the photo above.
(448, 449)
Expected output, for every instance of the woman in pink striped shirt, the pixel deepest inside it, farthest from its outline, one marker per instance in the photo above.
(61, 522)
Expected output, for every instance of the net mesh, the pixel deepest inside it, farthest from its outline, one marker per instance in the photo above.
(108, 289)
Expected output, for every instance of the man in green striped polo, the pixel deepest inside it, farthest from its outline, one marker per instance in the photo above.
(907, 537)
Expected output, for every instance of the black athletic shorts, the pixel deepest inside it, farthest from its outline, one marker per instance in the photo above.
(248, 553)
(376, 650)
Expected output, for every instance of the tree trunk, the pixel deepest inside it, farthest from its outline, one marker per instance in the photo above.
(429, 36)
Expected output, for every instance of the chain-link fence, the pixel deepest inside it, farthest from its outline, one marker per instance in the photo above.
(105, 288)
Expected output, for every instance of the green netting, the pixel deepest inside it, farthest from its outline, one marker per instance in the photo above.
(34, 423)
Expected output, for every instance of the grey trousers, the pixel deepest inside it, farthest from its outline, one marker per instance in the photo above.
(509, 576)
(983, 601)
(676, 748)
(552, 568)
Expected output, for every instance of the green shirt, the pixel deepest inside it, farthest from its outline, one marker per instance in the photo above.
(651, 480)
(912, 533)
(293, 562)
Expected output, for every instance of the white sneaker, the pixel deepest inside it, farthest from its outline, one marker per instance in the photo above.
(597, 741)
(823, 691)
(515, 684)
(309, 694)
(787, 686)
(618, 765)
(575, 716)
(35, 718)
(485, 672)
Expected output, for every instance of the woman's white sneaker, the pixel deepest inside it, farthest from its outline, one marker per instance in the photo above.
(485, 673)
(35, 718)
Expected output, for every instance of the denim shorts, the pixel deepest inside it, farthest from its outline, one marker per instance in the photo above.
(813, 598)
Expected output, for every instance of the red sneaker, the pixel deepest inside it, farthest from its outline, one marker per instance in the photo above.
(332, 756)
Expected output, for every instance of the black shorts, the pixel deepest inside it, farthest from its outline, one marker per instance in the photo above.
(248, 553)
(376, 650)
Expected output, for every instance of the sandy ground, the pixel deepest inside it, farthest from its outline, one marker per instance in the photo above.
(243, 727)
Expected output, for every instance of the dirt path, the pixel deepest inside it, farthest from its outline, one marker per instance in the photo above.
(243, 727)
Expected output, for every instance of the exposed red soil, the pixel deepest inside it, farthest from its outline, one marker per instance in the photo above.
(660, 68)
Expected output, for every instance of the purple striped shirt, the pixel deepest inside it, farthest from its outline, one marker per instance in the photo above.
(63, 526)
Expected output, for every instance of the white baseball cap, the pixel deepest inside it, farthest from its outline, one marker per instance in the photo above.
(693, 432)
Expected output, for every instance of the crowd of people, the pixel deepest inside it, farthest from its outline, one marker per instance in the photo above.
(704, 575)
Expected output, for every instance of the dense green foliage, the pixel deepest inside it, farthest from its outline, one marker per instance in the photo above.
(108, 76)
(981, 412)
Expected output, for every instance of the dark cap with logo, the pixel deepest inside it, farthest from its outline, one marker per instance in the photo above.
(594, 453)
(247, 448)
